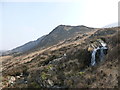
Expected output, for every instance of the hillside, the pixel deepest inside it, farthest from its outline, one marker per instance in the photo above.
(60, 33)
(66, 63)
(24, 48)
(63, 32)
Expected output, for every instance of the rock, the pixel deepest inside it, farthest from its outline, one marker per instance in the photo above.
(26, 82)
(65, 55)
(56, 61)
(21, 75)
(50, 82)
(21, 81)
(18, 77)
(12, 80)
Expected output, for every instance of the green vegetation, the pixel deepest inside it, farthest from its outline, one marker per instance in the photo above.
(80, 73)
(44, 75)
(49, 67)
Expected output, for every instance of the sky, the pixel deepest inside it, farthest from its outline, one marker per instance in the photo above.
(22, 21)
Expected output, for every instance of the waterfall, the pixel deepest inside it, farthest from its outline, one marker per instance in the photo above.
(101, 56)
(93, 59)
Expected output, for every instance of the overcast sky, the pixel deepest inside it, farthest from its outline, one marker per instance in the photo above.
(22, 21)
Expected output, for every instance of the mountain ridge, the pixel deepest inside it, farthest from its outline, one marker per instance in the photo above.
(60, 33)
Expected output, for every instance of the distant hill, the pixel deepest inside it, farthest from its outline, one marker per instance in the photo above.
(2, 51)
(24, 48)
(60, 33)
(28, 45)
(112, 25)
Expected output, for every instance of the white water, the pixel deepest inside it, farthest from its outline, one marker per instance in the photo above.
(93, 59)
(102, 53)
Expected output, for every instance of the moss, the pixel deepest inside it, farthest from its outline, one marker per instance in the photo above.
(44, 75)
(49, 67)
(79, 73)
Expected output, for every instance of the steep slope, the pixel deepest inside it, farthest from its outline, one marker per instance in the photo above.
(63, 32)
(28, 45)
(66, 64)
